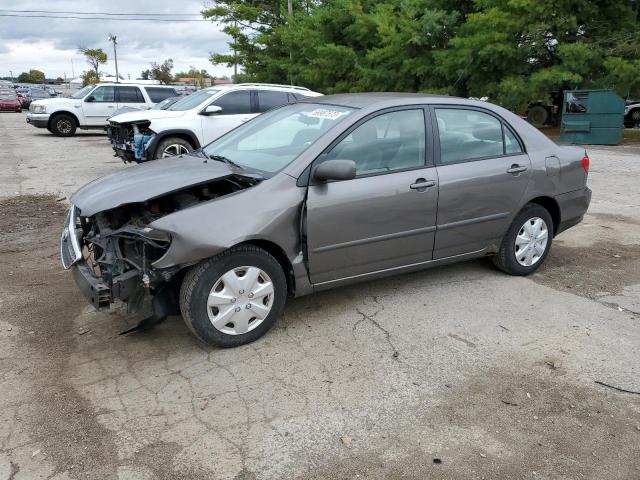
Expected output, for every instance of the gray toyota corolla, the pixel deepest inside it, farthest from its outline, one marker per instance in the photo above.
(319, 194)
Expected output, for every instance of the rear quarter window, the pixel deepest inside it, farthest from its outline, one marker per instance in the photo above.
(157, 94)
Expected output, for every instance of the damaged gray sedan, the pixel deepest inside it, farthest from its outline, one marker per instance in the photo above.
(318, 194)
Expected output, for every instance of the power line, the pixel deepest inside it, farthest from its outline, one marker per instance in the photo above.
(107, 18)
(107, 13)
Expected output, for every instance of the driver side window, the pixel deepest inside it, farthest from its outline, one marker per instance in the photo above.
(389, 142)
(103, 94)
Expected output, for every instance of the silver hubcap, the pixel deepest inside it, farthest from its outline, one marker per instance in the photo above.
(531, 241)
(174, 149)
(240, 300)
(64, 126)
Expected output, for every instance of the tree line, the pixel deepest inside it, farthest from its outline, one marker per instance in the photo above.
(512, 51)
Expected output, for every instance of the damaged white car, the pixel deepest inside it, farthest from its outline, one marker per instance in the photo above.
(195, 120)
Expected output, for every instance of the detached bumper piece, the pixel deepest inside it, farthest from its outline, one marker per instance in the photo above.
(98, 294)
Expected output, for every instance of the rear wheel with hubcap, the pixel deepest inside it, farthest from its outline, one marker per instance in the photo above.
(527, 242)
(235, 297)
(172, 147)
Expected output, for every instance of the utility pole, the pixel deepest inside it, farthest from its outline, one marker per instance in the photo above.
(289, 21)
(73, 73)
(11, 73)
(112, 38)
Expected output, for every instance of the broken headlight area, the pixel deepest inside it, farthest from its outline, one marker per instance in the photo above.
(118, 247)
(130, 141)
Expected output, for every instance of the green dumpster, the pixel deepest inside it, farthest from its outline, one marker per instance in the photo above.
(594, 117)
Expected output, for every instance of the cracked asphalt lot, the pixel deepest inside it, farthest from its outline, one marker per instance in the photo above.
(458, 372)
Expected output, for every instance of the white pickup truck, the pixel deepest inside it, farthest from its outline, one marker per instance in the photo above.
(91, 106)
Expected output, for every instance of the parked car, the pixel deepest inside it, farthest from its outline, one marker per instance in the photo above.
(195, 120)
(90, 107)
(632, 114)
(318, 194)
(9, 101)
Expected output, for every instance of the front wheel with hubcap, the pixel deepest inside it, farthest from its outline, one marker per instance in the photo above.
(172, 147)
(235, 297)
(527, 242)
(63, 125)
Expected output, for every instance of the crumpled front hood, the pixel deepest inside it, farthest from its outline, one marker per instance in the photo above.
(146, 181)
(144, 115)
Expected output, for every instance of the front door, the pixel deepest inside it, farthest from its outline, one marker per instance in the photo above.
(483, 173)
(236, 109)
(99, 105)
(384, 218)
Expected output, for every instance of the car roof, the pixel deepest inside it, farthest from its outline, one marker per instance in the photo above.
(264, 86)
(133, 84)
(386, 99)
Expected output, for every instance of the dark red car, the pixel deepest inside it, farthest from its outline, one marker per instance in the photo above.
(9, 102)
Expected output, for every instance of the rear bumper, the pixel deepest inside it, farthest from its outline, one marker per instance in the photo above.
(39, 120)
(573, 206)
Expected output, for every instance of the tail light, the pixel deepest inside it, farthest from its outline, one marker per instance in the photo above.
(585, 163)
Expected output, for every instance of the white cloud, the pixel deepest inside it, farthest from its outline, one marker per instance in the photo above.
(51, 45)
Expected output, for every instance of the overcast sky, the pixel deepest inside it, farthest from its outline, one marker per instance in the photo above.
(51, 45)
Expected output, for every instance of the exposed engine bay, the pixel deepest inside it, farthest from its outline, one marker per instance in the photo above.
(117, 248)
(130, 141)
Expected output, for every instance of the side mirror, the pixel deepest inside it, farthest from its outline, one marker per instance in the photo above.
(212, 110)
(90, 98)
(335, 170)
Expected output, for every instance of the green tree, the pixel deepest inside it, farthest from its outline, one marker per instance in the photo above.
(32, 76)
(89, 77)
(145, 74)
(512, 51)
(162, 71)
(95, 57)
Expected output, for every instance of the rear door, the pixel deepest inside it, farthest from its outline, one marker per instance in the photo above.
(236, 109)
(130, 96)
(99, 105)
(483, 172)
(384, 218)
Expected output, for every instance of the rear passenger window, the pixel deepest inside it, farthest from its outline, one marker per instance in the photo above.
(468, 134)
(268, 100)
(129, 95)
(159, 94)
(234, 103)
(511, 144)
(388, 142)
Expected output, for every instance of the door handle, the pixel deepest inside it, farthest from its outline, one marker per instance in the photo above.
(109, 106)
(422, 184)
(516, 169)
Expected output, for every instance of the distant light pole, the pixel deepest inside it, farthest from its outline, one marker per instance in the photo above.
(11, 73)
(112, 38)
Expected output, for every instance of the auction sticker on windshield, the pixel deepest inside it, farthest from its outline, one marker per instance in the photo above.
(324, 113)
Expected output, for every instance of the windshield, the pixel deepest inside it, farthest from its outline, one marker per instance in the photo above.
(164, 104)
(7, 96)
(274, 139)
(193, 100)
(83, 91)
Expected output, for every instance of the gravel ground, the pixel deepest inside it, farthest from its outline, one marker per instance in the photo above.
(458, 372)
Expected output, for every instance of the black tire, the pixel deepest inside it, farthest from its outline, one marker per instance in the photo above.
(179, 143)
(63, 125)
(505, 259)
(201, 278)
(538, 116)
